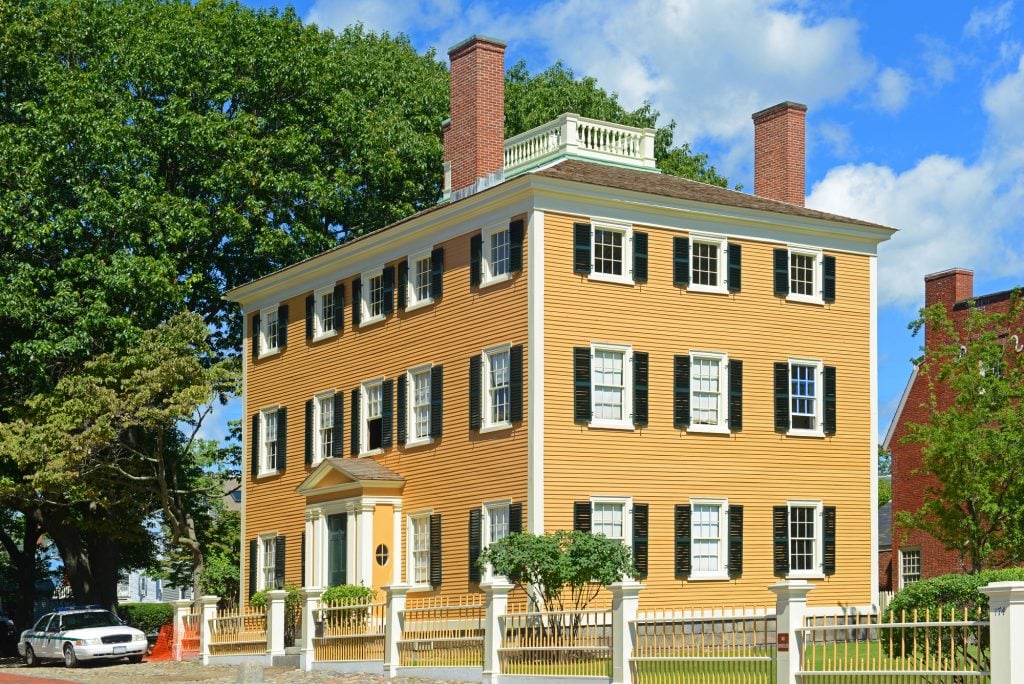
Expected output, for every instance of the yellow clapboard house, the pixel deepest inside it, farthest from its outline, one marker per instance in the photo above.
(571, 339)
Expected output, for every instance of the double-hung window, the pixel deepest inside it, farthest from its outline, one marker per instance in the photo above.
(612, 386)
(805, 539)
(268, 440)
(495, 526)
(910, 566)
(323, 313)
(270, 332)
(708, 540)
(610, 516)
(373, 416)
(419, 549)
(707, 264)
(267, 576)
(497, 392)
(805, 397)
(497, 255)
(611, 250)
(324, 422)
(419, 406)
(419, 281)
(805, 278)
(708, 392)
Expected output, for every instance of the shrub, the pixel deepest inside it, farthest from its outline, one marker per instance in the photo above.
(148, 617)
(347, 593)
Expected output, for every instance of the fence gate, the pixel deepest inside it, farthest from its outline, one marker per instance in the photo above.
(710, 647)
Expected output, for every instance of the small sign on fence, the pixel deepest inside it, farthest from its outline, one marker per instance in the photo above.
(782, 642)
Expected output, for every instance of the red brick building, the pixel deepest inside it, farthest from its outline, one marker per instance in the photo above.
(916, 555)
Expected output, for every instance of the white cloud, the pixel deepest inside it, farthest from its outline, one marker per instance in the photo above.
(892, 90)
(400, 16)
(987, 22)
(837, 136)
(1004, 103)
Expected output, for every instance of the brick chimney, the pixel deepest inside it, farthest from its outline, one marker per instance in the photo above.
(474, 137)
(946, 288)
(779, 152)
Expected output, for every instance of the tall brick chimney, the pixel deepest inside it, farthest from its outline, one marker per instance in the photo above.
(946, 288)
(474, 137)
(779, 152)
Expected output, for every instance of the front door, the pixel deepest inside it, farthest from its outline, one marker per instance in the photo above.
(337, 549)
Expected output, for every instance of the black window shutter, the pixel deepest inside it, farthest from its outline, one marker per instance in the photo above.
(309, 432)
(255, 336)
(302, 559)
(310, 315)
(683, 565)
(640, 372)
(830, 400)
(475, 398)
(339, 307)
(735, 541)
(357, 301)
(780, 544)
(639, 257)
(254, 444)
(387, 413)
(680, 261)
(282, 325)
(829, 530)
(581, 516)
(828, 280)
(282, 439)
(403, 283)
(435, 550)
(735, 395)
(515, 383)
(681, 391)
(279, 561)
(781, 264)
(436, 401)
(581, 248)
(476, 246)
(253, 561)
(355, 428)
(640, 518)
(400, 411)
(437, 272)
(781, 397)
(475, 522)
(387, 279)
(581, 384)
(515, 518)
(515, 245)
(734, 278)
(338, 443)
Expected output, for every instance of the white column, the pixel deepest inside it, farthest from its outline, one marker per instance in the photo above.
(307, 562)
(311, 601)
(351, 528)
(182, 608)
(570, 136)
(625, 601)
(393, 627)
(790, 610)
(275, 622)
(209, 612)
(647, 148)
(365, 552)
(1006, 615)
(396, 545)
(497, 605)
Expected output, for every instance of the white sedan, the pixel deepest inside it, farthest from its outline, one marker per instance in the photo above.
(77, 635)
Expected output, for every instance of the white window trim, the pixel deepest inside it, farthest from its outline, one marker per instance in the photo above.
(262, 470)
(318, 314)
(626, 423)
(723, 393)
(817, 297)
(261, 556)
(410, 286)
(365, 318)
(264, 333)
(487, 573)
(722, 573)
(410, 398)
(627, 252)
(722, 243)
(410, 568)
(364, 433)
(317, 456)
(819, 397)
(485, 257)
(819, 539)
(485, 383)
(627, 515)
(916, 549)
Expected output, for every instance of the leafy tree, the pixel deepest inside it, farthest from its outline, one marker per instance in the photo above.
(884, 476)
(973, 440)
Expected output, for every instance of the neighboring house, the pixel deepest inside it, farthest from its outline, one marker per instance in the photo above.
(885, 547)
(572, 340)
(917, 555)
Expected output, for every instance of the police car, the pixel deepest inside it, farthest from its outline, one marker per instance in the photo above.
(77, 635)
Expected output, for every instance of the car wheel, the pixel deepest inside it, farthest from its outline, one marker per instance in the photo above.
(30, 657)
(135, 659)
(70, 659)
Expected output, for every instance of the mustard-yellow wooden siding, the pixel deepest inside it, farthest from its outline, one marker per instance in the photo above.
(662, 466)
(457, 472)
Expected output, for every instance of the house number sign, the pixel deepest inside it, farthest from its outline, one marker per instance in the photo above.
(782, 642)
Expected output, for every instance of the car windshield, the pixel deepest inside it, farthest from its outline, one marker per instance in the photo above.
(99, 618)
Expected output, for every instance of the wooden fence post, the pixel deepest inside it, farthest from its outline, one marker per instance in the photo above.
(1006, 618)
(209, 612)
(625, 603)
(182, 607)
(496, 591)
(311, 601)
(393, 627)
(275, 622)
(790, 610)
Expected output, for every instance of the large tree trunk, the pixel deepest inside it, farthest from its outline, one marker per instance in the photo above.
(23, 556)
(91, 563)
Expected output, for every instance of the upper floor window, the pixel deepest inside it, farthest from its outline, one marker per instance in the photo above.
(324, 405)
(707, 264)
(497, 256)
(373, 298)
(611, 253)
(269, 440)
(708, 392)
(324, 314)
(419, 281)
(611, 381)
(270, 331)
(496, 387)
(805, 396)
(802, 274)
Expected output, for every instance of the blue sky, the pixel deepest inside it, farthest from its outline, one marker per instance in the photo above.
(915, 120)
